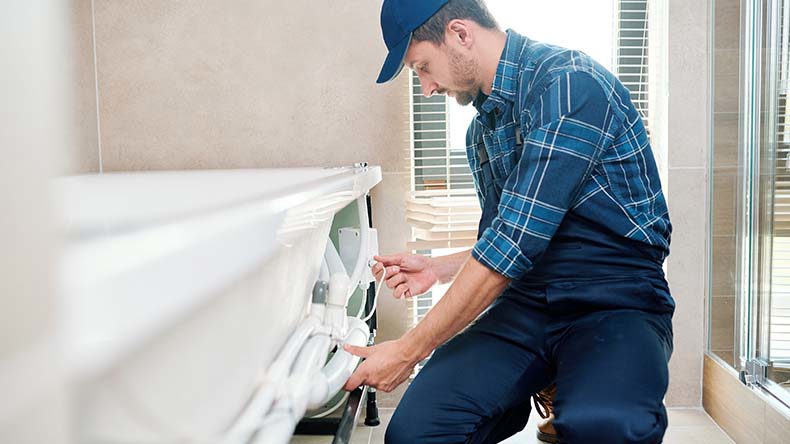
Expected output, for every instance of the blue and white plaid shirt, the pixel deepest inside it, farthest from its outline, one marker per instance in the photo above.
(561, 135)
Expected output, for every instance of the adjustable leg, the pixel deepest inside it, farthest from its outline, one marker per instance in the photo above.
(372, 409)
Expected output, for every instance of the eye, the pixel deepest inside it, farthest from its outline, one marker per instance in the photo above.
(423, 68)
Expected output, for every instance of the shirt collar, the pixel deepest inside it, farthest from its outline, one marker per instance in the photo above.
(505, 86)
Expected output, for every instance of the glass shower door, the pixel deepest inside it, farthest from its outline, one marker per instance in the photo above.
(768, 363)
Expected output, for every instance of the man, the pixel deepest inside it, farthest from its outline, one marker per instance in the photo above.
(568, 263)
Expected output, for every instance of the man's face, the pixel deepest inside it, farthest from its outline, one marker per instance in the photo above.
(444, 70)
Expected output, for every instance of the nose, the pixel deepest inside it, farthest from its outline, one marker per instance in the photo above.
(428, 86)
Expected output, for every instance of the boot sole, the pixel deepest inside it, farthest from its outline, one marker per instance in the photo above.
(545, 437)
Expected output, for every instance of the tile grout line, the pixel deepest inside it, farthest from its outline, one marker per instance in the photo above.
(96, 84)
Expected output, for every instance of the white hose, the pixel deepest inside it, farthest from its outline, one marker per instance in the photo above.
(337, 371)
(376, 296)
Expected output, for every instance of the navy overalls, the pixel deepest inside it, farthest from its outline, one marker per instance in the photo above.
(594, 316)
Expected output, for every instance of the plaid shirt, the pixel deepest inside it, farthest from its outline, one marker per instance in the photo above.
(560, 135)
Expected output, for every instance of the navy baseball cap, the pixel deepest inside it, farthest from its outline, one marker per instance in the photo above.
(399, 19)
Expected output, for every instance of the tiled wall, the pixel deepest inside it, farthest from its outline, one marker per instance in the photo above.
(245, 84)
(217, 84)
(687, 139)
(726, 15)
(83, 156)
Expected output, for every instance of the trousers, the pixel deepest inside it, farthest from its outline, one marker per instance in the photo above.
(610, 366)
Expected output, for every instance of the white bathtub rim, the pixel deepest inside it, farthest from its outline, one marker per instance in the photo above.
(94, 339)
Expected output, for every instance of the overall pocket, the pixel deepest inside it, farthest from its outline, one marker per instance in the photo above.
(605, 294)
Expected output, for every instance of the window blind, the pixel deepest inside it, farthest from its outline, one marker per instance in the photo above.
(631, 54)
(442, 208)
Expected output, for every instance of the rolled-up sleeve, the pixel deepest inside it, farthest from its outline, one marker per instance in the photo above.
(574, 121)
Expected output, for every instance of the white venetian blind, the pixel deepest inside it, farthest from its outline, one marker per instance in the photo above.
(631, 62)
(442, 208)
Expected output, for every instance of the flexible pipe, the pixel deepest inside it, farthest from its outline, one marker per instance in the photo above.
(337, 371)
(307, 365)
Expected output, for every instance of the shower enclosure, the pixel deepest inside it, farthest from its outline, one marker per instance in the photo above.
(749, 305)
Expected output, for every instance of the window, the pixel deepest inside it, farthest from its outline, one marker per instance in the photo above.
(631, 54)
(442, 208)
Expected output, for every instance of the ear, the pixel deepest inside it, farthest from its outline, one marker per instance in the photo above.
(459, 32)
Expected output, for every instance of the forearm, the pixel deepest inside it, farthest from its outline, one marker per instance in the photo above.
(474, 289)
(447, 267)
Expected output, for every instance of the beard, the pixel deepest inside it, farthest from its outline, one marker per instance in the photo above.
(465, 73)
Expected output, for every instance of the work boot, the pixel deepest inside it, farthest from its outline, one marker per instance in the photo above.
(544, 405)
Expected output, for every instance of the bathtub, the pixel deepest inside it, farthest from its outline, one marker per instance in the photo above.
(178, 290)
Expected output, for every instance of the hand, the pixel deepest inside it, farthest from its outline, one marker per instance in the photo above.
(386, 366)
(407, 274)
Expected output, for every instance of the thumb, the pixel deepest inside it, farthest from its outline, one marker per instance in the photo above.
(362, 352)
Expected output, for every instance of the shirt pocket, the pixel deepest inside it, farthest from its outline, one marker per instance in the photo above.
(507, 149)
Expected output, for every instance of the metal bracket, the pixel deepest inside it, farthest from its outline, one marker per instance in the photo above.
(755, 373)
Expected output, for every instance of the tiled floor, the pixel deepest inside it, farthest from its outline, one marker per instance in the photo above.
(686, 426)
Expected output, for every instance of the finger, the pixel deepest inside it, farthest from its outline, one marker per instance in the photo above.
(391, 271)
(362, 352)
(389, 260)
(356, 380)
(400, 290)
(376, 268)
(396, 280)
(407, 294)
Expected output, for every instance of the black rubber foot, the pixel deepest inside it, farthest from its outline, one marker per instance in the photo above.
(372, 411)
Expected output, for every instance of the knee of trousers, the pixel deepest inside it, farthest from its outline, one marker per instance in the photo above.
(403, 430)
(611, 426)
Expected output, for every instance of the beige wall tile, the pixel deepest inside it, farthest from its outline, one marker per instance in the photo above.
(688, 71)
(728, 356)
(217, 84)
(727, 24)
(732, 405)
(83, 150)
(722, 323)
(777, 425)
(726, 94)
(726, 62)
(723, 265)
(725, 140)
(685, 272)
(747, 415)
(724, 201)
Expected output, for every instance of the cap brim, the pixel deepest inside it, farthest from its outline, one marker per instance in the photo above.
(394, 62)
